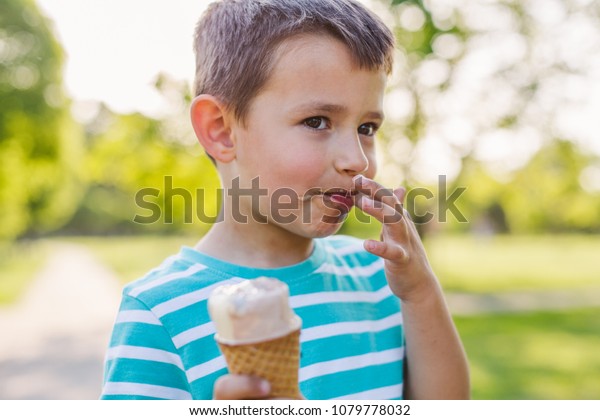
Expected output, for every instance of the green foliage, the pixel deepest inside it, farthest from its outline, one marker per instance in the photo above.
(19, 263)
(420, 41)
(40, 145)
(483, 194)
(546, 195)
(132, 155)
(360, 225)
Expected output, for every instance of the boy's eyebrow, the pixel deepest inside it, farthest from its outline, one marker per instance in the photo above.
(333, 109)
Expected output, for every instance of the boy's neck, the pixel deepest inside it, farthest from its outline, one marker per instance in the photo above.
(252, 245)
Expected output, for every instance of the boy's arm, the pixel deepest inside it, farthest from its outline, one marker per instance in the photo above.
(436, 363)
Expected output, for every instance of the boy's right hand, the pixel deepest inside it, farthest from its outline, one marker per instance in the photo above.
(241, 387)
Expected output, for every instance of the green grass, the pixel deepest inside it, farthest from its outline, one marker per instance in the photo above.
(130, 257)
(19, 262)
(504, 263)
(552, 355)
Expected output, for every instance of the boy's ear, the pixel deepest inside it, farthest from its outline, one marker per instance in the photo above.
(210, 122)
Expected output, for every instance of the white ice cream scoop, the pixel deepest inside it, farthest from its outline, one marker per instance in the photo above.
(252, 311)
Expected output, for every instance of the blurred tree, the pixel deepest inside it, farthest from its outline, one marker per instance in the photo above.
(40, 145)
(485, 92)
(546, 195)
(139, 168)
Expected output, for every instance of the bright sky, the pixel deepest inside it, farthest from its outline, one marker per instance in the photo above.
(116, 48)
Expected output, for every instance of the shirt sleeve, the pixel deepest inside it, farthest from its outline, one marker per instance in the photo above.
(142, 361)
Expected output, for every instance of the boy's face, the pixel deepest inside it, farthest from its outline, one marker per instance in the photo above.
(307, 134)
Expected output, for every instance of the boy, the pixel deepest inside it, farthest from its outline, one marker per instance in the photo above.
(288, 99)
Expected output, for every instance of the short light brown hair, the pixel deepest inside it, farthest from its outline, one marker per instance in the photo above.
(235, 41)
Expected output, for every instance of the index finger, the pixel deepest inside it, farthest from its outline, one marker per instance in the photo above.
(377, 192)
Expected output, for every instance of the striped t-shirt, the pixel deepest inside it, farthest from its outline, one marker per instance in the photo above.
(352, 339)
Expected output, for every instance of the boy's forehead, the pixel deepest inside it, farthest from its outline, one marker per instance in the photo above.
(317, 75)
(304, 46)
(315, 59)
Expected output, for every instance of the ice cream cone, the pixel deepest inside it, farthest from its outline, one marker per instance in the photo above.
(258, 333)
(275, 360)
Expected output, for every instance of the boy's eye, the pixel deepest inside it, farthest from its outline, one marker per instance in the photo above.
(316, 123)
(367, 129)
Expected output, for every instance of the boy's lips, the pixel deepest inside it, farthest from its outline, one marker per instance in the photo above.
(343, 199)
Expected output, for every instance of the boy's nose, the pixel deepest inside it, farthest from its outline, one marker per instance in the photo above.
(350, 157)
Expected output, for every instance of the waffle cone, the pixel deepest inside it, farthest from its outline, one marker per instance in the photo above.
(275, 360)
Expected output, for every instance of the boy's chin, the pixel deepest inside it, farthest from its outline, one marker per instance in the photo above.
(326, 227)
(320, 226)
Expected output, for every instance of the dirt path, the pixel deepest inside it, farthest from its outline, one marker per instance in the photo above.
(467, 304)
(53, 340)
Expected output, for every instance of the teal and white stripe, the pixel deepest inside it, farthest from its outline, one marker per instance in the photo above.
(352, 337)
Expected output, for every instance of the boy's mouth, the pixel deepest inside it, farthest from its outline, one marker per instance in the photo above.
(342, 199)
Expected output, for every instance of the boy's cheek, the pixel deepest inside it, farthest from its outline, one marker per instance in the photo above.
(298, 166)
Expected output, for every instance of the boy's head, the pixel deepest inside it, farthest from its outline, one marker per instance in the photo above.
(289, 93)
(236, 42)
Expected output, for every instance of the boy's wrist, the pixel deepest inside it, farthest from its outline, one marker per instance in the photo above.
(427, 289)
